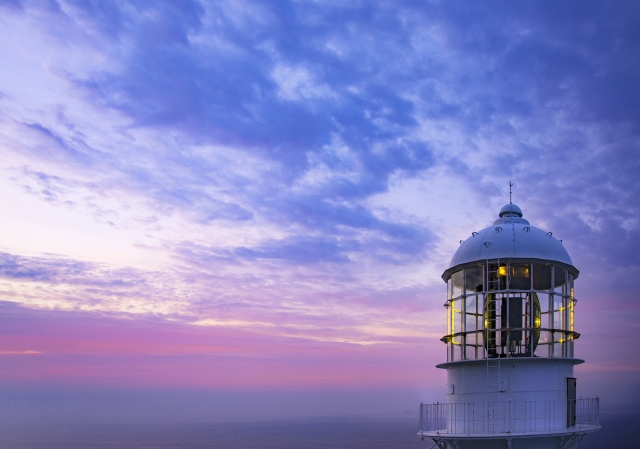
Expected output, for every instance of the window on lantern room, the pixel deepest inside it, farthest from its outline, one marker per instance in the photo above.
(474, 279)
(497, 276)
(457, 280)
(519, 276)
(559, 277)
(541, 276)
(543, 299)
(570, 282)
(473, 321)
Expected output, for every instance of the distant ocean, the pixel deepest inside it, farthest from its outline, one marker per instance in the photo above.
(397, 432)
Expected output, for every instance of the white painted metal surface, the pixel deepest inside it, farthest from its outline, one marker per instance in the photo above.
(510, 237)
(519, 379)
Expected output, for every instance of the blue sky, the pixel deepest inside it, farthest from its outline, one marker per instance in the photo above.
(300, 173)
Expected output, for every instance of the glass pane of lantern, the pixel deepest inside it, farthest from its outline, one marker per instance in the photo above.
(545, 317)
(559, 276)
(511, 317)
(457, 352)
(471, 340)
(472, 300)
(459, 315)
(474, 279)
(457, 279)
(544, 302)
(543, 347)
(557, 318)
(497, 276)
(541, 276)
(471, 322)
(454, 325)
(570, 283)
(520, 276)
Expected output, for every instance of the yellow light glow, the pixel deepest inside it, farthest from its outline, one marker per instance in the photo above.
(502, 271)
(537, 321)
(571, 305)
(453, 319)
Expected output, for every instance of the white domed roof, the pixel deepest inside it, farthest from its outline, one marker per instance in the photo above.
(510, 237)
(510, 210)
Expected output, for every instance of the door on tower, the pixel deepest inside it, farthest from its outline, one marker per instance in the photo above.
(571, 401)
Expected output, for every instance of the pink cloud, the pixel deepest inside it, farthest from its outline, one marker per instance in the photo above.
(97, 350)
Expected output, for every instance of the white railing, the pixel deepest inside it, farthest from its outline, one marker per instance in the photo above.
(544, 416)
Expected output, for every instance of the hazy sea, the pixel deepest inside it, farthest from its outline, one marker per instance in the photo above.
(619, 430)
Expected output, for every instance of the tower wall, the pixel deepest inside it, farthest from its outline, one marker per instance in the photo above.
(510, 395)
(519, 379)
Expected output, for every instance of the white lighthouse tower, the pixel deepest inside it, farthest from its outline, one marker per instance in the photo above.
(510, 342)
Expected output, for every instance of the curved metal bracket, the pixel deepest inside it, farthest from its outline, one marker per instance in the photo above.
(442, 444)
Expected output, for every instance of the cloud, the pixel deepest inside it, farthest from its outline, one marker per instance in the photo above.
(202, 288)
(84, 348)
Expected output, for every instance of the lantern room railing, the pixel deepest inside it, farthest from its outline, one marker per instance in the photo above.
(524, 417)
(501, 309)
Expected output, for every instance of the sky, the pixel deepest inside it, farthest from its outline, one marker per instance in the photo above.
(221, 202)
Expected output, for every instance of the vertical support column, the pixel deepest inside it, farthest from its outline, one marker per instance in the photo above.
(565, 316)
(552, 312)
(497, 322)
(448, 305)
(463, 317)
(507, 280)
(532, 319)
(450, 318)
(571, 316)
(477, 335)
(485, 288)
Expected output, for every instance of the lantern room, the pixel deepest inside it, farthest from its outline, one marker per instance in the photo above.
(510, 293)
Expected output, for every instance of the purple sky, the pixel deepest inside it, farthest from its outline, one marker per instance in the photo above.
(234, 196)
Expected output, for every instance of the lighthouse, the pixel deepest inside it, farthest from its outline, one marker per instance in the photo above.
(510, 344)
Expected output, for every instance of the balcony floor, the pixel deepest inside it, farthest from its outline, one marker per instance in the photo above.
(580, 428)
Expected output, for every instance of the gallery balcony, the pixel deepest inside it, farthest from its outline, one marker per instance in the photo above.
(497, 419)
